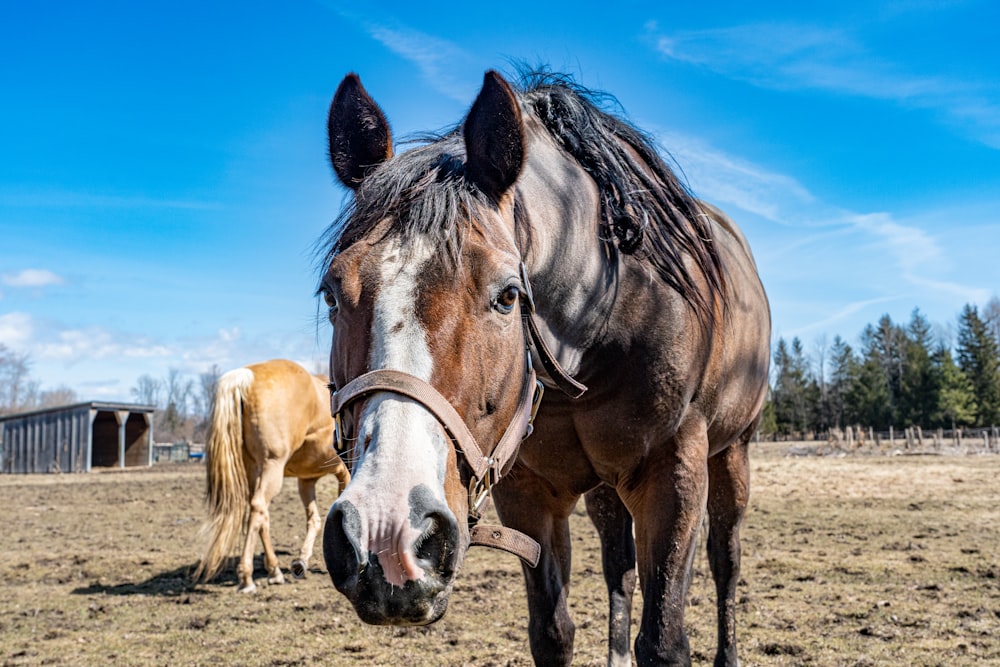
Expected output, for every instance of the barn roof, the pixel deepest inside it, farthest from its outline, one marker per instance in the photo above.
(102, 406)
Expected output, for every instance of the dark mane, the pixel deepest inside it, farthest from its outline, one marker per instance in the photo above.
(645, 210)
(423, 191)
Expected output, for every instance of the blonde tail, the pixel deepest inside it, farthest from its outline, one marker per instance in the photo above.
(227, 494)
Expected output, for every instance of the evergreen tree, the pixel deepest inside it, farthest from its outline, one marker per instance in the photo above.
(843, 370)
(791, 391)
(979, 359)
(918, 400)
(955, 402)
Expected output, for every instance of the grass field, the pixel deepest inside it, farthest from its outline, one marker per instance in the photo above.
(850, 561)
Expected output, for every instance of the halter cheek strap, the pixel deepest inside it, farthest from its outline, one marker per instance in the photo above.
(486, 467)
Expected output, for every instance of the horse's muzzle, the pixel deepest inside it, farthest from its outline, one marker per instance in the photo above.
(357, 573)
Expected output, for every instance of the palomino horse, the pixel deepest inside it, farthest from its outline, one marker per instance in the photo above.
(643, 296)
(270, 420)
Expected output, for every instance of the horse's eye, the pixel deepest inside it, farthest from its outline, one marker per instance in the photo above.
(507, 298)
(331, 302)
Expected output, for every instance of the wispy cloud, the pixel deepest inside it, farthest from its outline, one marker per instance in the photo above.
(437, 59)
(839, 316)
(441, 63)
(791, 56)
(736, 181)
(915, 255)
(31, 278)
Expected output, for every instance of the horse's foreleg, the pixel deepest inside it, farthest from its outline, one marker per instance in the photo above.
(307, 492)
(728, 493)
(667, 502)
(267, 487)
(526, 503)
(614, 526)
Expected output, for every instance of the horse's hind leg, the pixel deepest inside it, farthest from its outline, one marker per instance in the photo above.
(267, 487)
(307, 492)
(728, 492)
(614, 525)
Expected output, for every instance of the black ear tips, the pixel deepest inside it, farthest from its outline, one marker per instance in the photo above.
(494, 137)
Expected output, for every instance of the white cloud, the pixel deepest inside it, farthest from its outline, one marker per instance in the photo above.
(788, 56)
(31, 278)
(15, 329)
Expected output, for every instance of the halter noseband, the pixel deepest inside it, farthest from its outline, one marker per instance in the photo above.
(487, 467)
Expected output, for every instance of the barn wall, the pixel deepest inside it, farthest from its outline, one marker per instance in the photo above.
(138, 436)
(76, 439)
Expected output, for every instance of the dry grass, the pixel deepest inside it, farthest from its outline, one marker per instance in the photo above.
(847, 561)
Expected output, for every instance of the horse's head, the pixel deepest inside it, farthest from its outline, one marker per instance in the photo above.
(424, 288)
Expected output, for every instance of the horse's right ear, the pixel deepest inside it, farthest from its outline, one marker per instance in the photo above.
(359, 134)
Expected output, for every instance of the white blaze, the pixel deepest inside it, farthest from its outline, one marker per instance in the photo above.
(402, 444)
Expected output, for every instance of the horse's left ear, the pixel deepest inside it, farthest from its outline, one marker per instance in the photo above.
(494, 137)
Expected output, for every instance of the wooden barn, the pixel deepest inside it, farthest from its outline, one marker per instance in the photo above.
(77, 438)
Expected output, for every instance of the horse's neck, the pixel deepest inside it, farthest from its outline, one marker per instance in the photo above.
(573, 284)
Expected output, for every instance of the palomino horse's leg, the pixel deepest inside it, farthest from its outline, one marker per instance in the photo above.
(267, 487)
(614, 525)
(667, 503)
(728, 492)
(307, 492)
(525, 503)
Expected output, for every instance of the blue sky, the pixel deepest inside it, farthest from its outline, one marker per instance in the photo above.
(164, 177)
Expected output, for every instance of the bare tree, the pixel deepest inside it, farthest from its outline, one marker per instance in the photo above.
(148, 391)
(208, 383)
(53, 398)
(17, 390)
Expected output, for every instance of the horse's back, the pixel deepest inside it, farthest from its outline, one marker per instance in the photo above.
(741, 349)
(288, 416)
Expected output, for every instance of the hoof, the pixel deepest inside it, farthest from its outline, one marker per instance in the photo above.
(298, 568)
(248, 588)
(276, 578)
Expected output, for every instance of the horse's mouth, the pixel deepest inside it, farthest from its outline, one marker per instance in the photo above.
(378, 602)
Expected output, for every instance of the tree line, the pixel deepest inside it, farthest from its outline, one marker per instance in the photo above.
(183, 405)
(901, 376)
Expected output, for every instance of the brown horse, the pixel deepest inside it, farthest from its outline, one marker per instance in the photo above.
(270, 420)
(647, 318)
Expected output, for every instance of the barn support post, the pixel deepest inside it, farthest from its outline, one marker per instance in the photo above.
(90, 439)
(148, 416)
(121, 416)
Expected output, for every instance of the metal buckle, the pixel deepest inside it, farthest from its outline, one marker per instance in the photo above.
(479, 489)
(338, 434)
(527, 295)
(536, 402)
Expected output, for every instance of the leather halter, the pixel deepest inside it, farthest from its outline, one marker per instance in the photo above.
(487, 466)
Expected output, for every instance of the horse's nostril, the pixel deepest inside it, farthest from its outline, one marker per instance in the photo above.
(341, 545)
(434, 543)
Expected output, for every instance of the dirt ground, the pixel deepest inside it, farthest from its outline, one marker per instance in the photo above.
(849, 560)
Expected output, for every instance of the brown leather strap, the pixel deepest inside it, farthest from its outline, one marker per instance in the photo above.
(562, 379)
(506, 539)
(397, 382)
